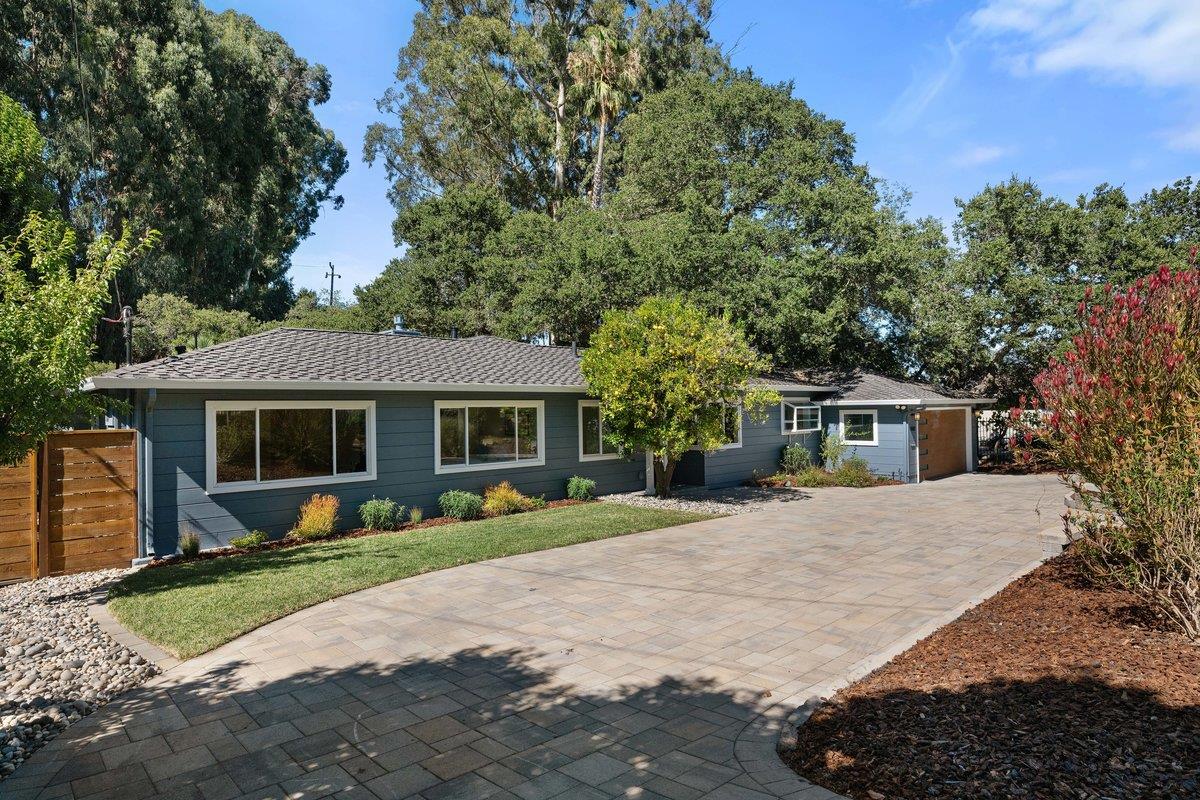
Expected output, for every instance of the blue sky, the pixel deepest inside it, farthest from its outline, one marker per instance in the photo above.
(942, 96)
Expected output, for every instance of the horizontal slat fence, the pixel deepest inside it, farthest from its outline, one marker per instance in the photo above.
(89, 501)
(18, 520)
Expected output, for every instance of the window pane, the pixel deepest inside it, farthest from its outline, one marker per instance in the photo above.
(591, 430)
(491, 434)
(809, 418)
(732, 426)
(858, 427)
(295, 443)
(527, 438)
(453, 423)
(235, 446)
(351, 440)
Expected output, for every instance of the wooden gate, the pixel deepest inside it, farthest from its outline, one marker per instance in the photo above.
(18, 520)
(89, 501)
(71, 506)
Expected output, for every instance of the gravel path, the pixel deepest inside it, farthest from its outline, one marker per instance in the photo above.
(56, 664)
(721, 502)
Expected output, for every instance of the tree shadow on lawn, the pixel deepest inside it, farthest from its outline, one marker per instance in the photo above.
(1055, 737)
(474, 723)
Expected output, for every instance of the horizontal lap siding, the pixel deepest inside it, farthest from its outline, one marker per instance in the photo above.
(762, 446)
(404, 465)
(891, 458)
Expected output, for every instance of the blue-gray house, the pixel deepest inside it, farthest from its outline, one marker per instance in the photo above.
(236, 436)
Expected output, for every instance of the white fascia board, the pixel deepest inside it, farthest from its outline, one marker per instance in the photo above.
(911, 401)
(101, 382)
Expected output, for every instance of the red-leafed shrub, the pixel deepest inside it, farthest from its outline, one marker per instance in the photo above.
(1124, 414)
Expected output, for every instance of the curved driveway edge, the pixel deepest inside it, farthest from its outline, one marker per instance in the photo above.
(654, 665)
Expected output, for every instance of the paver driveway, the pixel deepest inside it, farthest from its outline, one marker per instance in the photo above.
(653, 665)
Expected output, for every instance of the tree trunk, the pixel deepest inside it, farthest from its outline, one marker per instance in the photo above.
(598, 174)
(664, 470)
(560, 166)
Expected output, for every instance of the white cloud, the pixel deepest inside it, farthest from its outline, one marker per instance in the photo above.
(923, 90)
(1146, 41)
(1186, 138)
(978, 155)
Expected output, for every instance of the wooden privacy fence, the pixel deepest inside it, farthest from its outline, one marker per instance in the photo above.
(71, 507)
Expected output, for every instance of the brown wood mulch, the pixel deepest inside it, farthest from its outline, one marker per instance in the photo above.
(354, 533)
(1054, 688)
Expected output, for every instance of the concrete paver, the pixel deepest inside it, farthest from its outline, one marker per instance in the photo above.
(655, 665)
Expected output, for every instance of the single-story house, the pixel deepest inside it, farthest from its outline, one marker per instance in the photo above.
(235, 436)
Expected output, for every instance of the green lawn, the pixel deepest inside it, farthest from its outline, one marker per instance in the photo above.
(189, 609)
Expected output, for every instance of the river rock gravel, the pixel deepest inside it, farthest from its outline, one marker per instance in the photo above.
(56, 664)
(719, 502)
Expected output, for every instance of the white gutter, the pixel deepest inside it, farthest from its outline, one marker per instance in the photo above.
(913, 401)
(101, 382)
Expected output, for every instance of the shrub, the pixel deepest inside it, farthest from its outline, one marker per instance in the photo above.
(811, 478)
(1125, 416)
(416, 514)
(854, 471)
(580, 488)
(250, 541)
(536, 503)
(833, 449)
(503, 499)
(318, 518)
(460, 504)
(380, 514)
(795, 459)
(189, 544)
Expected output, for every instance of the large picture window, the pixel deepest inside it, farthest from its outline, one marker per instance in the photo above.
(259, 445)
(486, 434)
(798, 416)
(593, 442)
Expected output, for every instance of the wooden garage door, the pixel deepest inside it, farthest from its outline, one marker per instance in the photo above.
(943, 446)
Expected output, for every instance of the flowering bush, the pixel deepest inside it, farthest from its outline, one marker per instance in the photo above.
(1124, 403)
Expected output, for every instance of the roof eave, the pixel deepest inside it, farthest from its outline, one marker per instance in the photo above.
(192, 384)
(913, 401)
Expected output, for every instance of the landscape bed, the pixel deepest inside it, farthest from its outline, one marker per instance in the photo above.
(1052, 688)
(192, 606)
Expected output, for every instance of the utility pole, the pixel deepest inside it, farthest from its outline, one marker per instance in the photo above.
(331, 275)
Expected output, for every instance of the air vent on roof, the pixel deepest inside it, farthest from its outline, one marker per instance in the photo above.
(399, 329)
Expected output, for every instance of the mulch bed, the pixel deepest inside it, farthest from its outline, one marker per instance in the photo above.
(1053, 688)
(355, 533)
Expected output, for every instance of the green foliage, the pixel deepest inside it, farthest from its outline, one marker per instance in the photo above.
(166, 320)
(200, 125)
(310, 312)
(318, 518)
(581, 488)
(833, 449)
(461, 504)
(380, 514)
(416, 514)
(810, 478)
(250, 541)
(484, 93)
(796, 458)
(665, 373)
(189, 544)
(48, 309)
(23, 186)
(854, 471)
(503, 498)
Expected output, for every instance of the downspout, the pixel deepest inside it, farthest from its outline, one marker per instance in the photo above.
(146, 479)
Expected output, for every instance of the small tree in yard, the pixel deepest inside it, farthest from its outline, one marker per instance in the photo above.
(1124, 405)
(48, 310)
(666, 373)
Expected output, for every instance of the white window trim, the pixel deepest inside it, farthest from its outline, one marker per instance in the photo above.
(740, 414)
(797, 402)
(211, 407)
(438, 405)
(874, 426)
(601, 456)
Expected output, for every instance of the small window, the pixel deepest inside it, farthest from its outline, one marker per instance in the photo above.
(799, 417)
(732, 422)
(859, 427)
(594, 444)
(255, 444)
(479, 435)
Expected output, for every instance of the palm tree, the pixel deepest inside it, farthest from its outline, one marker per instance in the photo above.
(607, 69)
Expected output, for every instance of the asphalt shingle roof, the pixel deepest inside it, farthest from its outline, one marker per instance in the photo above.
(317, 356)
(868, 387)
